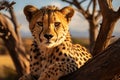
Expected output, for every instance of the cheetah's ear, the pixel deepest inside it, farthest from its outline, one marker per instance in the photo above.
(68, 12)
(29, 10)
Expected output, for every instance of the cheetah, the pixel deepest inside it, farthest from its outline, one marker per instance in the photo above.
(52, 53)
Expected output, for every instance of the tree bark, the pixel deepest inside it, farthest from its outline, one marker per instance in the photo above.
(103, 66)
(110, 17)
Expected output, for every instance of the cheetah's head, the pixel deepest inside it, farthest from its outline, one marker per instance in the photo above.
(48, 25)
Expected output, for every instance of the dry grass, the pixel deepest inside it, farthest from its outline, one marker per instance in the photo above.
(7, 69)
(5, 62)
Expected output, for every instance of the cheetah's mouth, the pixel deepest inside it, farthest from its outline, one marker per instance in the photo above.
(49, 43)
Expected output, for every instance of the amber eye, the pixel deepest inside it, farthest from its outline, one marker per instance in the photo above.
(40, 24)
(57, 24)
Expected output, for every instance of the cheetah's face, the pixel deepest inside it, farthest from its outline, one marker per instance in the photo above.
(48, 25)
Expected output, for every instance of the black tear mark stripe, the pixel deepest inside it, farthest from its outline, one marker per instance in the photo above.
(55, 28)
(43, 23)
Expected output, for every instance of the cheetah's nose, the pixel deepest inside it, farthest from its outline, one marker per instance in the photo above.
(48, 36)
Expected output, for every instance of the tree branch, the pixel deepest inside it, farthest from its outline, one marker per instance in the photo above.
(68, 1)
(109, 19)
(109, 2)
(9, 7)
(82, 1)
(103, 66)
(117, 14)
(12, 44)
(10, 39)
(106, 7)
(88, 6)
(81, 9)
(94, 8)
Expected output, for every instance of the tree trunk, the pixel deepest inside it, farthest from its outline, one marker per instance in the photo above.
(104, 36)
(110, 17)
(101, 67)
(93, 31)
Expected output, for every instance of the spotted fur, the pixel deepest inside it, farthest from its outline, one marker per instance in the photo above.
(52, 54)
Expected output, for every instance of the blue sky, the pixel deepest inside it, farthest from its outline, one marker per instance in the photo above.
(78, 24)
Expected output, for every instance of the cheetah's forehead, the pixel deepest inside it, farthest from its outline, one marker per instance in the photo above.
(50, 8)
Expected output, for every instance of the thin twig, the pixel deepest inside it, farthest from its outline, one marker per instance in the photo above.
(82, 1)
(94, 7)
(88, 6)
(68, 1)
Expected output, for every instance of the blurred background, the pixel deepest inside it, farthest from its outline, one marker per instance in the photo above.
(79, 28)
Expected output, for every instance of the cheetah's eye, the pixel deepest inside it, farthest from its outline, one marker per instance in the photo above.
(57, 24)
(40, 24)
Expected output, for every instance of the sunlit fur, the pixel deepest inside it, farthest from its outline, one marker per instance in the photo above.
(49, 16)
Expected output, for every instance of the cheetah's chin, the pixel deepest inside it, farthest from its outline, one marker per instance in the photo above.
(49, 44)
